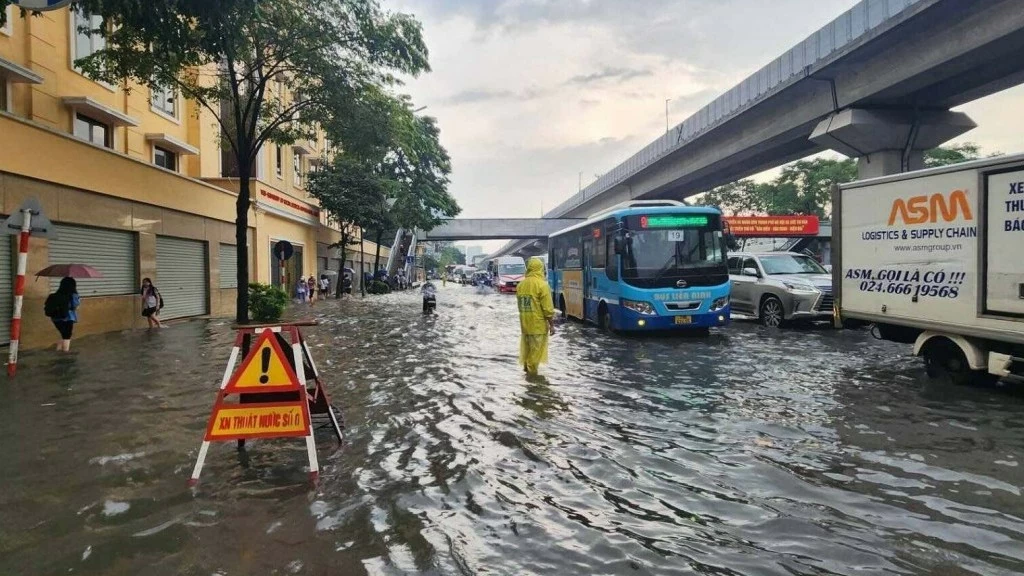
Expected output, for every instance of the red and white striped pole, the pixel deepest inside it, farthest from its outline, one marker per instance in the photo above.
(19, 291)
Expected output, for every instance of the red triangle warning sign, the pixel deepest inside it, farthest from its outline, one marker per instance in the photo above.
(265, 369)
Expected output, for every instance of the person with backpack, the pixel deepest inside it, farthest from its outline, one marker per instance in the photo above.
(62, 309)
(152, 302)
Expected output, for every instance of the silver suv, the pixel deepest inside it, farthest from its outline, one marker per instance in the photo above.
(777, 287)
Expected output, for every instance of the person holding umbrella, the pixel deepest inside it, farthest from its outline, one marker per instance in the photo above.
(62, 308)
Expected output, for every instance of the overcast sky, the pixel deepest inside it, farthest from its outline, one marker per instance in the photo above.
(531, 93)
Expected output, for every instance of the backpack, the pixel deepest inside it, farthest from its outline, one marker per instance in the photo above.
(159, 299)
(57, 306)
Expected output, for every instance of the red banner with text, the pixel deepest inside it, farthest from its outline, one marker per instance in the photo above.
(772, 226)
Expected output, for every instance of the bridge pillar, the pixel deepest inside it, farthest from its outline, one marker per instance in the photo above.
(888, 141)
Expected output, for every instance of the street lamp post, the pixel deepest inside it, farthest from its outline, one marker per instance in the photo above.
(667, 100)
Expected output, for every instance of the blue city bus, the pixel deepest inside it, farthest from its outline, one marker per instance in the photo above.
(643, 265)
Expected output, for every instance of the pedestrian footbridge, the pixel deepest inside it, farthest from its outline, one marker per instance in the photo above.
(531, 230)
(496, 229)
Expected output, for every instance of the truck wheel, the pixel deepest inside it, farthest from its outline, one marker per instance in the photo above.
(944, 358)
(771, 313)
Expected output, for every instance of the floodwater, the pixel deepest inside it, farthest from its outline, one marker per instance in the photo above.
(751, 451)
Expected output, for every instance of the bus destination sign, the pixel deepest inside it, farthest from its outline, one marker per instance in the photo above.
(674, 221)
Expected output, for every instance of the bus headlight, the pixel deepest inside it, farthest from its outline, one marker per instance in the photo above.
(639, 307)
(719, 303)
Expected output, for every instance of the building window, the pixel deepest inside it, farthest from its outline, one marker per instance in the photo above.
(8, 28)
(87, 44)
(165, 159)
(165, 101)
(4, 91)
(279, 161)
(92, 130)
(261, 161)
(297, 168)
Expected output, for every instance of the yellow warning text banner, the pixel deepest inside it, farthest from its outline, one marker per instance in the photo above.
(257, 421)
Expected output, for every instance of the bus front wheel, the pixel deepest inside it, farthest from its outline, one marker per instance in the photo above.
(604, 319)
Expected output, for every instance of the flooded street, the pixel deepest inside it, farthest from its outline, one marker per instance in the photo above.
(751, 451)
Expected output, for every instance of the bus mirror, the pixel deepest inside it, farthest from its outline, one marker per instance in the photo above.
(618, 244)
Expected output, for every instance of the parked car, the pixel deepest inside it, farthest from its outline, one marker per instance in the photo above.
(777, 287)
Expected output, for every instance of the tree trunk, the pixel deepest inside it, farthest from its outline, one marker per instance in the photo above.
(341, 256)
(362, 264)
(376, 261)
(242, 246)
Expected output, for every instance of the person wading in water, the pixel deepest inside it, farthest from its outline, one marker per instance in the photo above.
(536, 317)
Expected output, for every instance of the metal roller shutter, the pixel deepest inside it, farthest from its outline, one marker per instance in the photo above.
(112, 252)
(6, 290)
(181, 276)
(228, 266)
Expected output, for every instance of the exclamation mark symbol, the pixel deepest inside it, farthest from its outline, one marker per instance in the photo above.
(265, 365)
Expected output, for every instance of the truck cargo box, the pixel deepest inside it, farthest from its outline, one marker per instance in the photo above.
(937, 251)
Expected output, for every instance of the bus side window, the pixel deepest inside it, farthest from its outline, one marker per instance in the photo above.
(611, 266)
(598, 252)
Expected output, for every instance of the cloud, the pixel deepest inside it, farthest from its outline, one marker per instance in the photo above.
(473, 96)
(616, 74)
(530, 93)
(476, 96)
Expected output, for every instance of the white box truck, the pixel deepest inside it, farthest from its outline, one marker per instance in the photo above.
(936, 258)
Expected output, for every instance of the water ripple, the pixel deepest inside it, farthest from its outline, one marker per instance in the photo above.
(751, 451)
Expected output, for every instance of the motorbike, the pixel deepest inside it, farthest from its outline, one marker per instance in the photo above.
(429, 298)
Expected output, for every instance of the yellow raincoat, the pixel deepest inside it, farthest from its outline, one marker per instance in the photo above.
(535, 311)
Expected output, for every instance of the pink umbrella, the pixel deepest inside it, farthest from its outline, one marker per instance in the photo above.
(72, 270)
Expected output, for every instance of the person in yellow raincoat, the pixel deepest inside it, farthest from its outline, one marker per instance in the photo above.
(536, 316)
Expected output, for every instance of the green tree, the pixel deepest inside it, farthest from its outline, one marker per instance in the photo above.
(347, 191)
(805, 186)
(230, 56)
(393, 175)
(451, 255)
(955, 154)
(430, 262)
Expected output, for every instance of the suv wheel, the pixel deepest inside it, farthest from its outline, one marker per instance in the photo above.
(771, 313)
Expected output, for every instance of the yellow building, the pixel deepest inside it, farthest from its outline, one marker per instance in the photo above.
(135, 181)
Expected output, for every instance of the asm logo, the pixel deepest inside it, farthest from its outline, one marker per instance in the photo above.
(921, 209)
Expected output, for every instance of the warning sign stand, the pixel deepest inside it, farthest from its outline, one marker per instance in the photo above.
(272, 394)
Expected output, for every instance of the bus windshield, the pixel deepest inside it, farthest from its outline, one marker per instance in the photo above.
(663, 254)
(511, 269)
